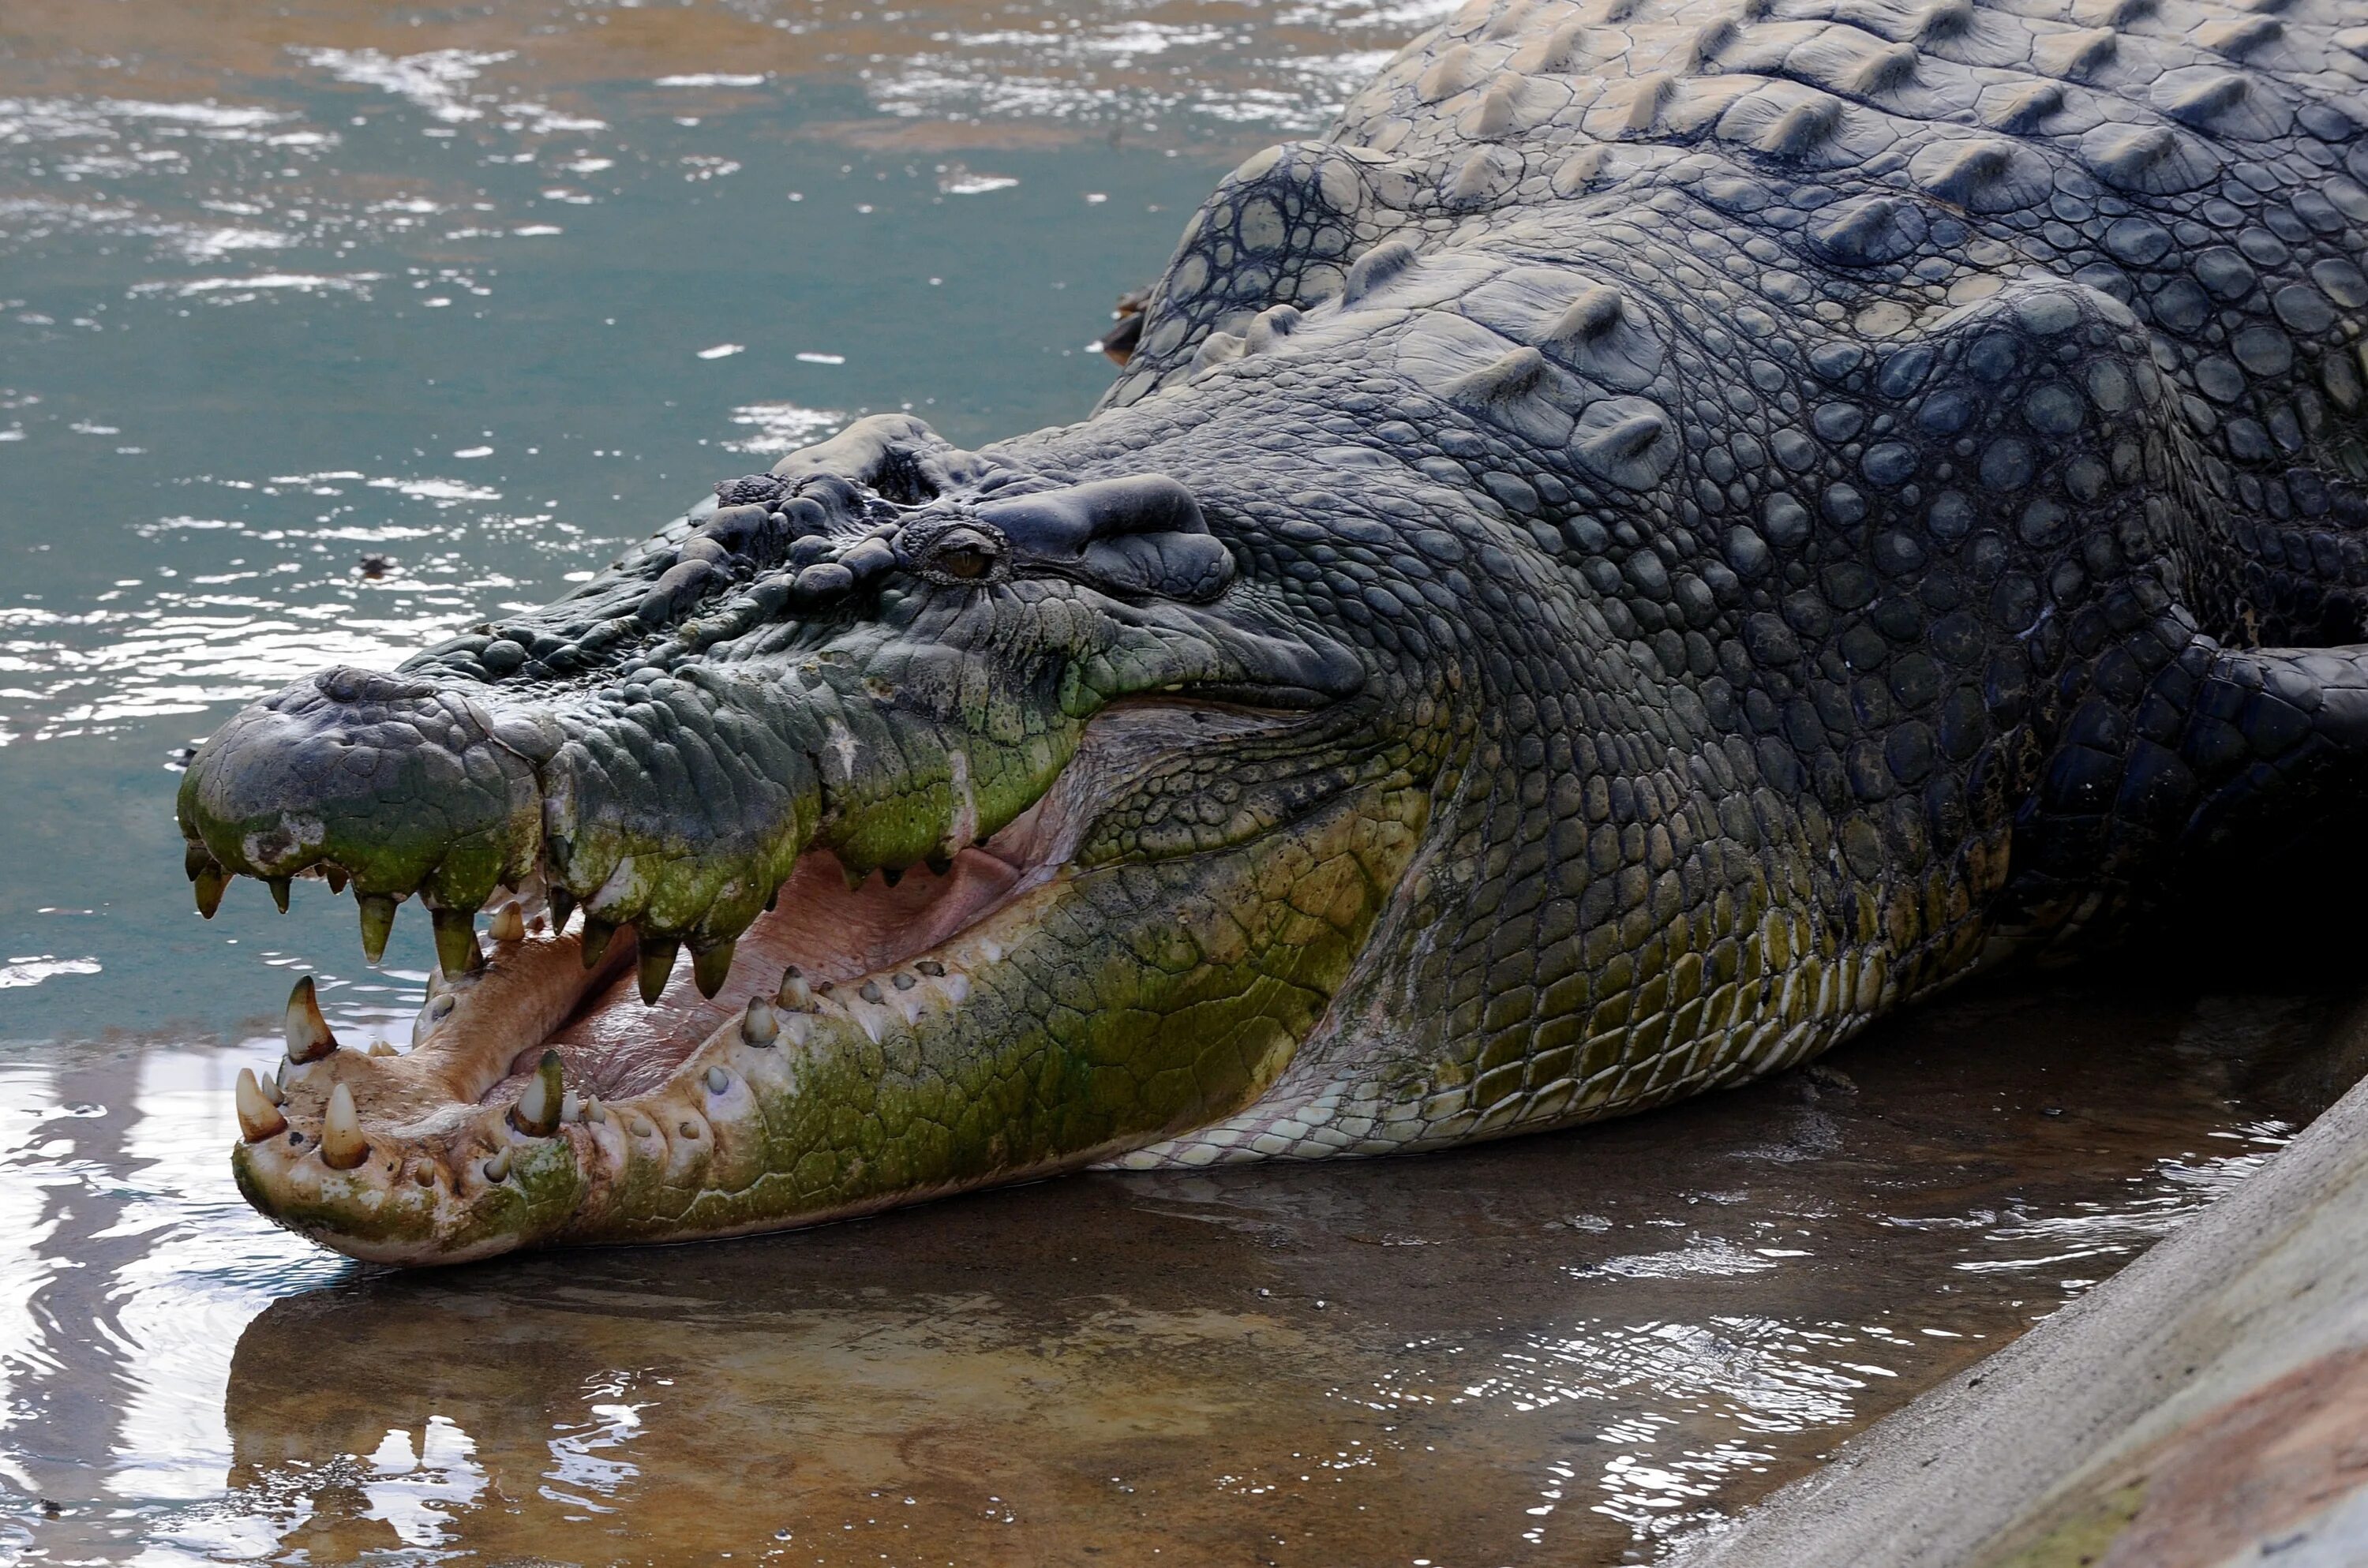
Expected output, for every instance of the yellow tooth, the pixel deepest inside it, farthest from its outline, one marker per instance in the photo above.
(456, 952)
(308, 1038)
(538, 1111)
(656, 964)
(377, 920)
(759, 1027)
(710, 967)
(509, 923)
(381, 1048)
(257, 1117)
(342, 1144)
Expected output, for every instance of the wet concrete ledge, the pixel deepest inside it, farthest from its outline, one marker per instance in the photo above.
(2206, 1407)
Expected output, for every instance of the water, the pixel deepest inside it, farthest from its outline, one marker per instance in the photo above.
(487, 291)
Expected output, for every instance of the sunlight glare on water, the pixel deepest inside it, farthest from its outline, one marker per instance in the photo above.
(329, 328)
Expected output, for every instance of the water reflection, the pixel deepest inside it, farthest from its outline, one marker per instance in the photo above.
(1570, 1349)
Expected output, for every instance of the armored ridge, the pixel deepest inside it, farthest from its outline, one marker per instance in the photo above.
(1674, 532)
(1937, 387)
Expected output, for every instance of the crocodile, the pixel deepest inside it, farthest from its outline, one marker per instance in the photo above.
(1674, 529)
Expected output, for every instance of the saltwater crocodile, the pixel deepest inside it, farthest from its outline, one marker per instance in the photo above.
(1677, 528)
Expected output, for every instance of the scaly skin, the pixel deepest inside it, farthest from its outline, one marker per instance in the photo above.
(1712, 521)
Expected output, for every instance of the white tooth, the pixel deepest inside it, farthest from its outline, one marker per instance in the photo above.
(540, 1109)
(571, 1108)
(308, 1034)
(593, 1111)
(498, 1167)
(718, 1080)
(759, 1027)
(274, 1087)
(508, 925)
(258, 1118)
(342, 1144)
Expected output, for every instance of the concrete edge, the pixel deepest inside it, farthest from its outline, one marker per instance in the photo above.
(2049, 1451)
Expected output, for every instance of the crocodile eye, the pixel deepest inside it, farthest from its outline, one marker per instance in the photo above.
(965, 554)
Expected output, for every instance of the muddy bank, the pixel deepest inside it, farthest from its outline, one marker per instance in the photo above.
(2208, 1405)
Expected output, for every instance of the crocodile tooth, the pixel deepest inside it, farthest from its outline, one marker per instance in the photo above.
(562, 905)
(378, 923)
(274, 1090)
(855, 877)
(308, 1038)
(758, 1025)
(718, 1080)
(336, 878)
(509, 923)
(656, 963)
(794, 994)
(279, 886)
(537, 1113)
(381, 1048)
(257, 1117)
(207, 885)
(342, 1144)
(456, 952)
(938, 865)
(497, 1165)
(595, 940)
(710, 967)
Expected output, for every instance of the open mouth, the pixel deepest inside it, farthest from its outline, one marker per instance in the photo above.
(828, 941)
(542, 1096)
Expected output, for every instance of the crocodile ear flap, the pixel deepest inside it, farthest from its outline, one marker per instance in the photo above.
(1139, 536)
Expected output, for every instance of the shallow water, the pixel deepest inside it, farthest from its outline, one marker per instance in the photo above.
(1568, 1349)
(487, 291)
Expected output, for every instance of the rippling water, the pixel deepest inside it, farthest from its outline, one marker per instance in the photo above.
(327, 328)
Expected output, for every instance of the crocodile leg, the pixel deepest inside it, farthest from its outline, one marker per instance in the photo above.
(2242, 767)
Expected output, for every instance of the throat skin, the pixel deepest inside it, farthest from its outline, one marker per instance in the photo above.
(1114, 1005)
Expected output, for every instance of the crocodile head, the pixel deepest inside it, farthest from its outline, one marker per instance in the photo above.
(1008, 824)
